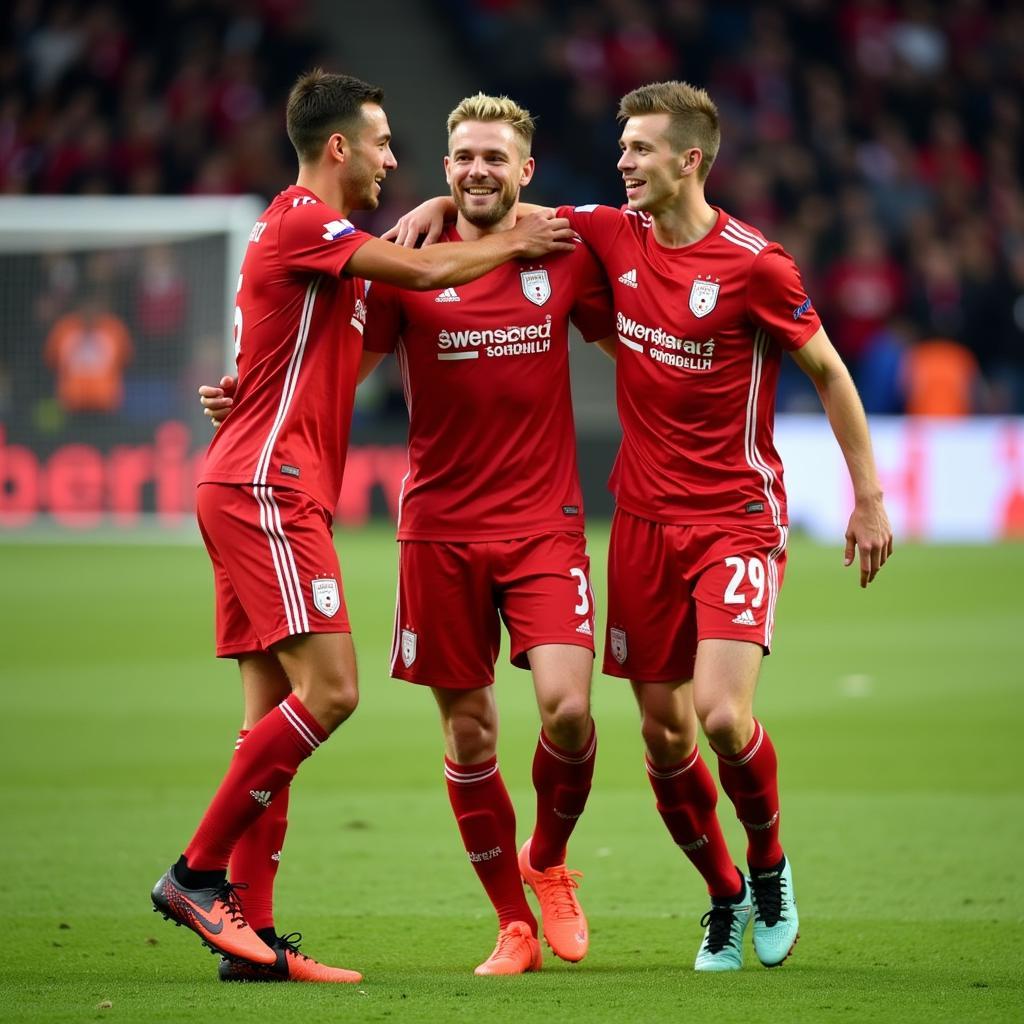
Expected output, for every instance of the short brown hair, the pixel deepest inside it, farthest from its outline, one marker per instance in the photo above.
(693, 114)
(482, 107)
(321, 104)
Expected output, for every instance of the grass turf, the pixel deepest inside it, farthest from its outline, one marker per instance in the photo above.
(896, 712)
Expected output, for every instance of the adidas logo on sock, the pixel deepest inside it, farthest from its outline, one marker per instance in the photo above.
(745, 618)
(276, 856)
(628, 278)
(585, 629)
(261, 796)
(448, 295)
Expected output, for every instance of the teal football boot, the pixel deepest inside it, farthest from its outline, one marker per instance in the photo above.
(725, 924)
(776, 924)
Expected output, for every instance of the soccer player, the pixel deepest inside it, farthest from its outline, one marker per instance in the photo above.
(491, 526)
(705, 305)
(271, 480)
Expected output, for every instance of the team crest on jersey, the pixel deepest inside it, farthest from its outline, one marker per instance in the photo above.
(326, 598)
(536, 286)
(618, 642)
(408, 647)
(703, 296)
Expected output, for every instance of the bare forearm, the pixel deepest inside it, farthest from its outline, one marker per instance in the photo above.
(439, 266)
(850, 426)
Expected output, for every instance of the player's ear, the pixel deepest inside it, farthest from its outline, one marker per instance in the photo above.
(527, 173)
(690, 160)
(336, 148)
(448, 169)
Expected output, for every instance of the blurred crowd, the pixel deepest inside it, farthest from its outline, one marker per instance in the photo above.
(177, 96)
(880, 141)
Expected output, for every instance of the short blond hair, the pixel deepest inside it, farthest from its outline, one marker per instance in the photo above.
(482, 107)
(693, 114)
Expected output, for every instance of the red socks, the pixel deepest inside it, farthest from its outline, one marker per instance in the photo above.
(257, 856)
(686, 801)
(487, 822)
(262, 766)
(562, 780)
(751, 779)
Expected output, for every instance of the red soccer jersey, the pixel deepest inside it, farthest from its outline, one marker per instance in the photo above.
(700, 335)
(298, 341)
(492, 446)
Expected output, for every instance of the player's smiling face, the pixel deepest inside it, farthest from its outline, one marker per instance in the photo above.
(652, 171)
(486, 168)
(369, 159)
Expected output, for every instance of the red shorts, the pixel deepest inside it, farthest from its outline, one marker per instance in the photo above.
(275, 569)
(452, 597)
(671, 586)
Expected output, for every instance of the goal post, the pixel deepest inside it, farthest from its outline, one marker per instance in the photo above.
(112, 311)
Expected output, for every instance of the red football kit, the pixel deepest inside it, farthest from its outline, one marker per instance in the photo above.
(298, 341)
(697, 480)
(491, 520)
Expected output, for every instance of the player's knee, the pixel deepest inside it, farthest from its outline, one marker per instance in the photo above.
(728, 727)
(667, 740)
(567, 723)
(330, 700)
(471, 738)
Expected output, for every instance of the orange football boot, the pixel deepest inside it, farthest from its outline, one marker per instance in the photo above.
(517, 952)
(565, 925)
(214, 914)
(291, 965)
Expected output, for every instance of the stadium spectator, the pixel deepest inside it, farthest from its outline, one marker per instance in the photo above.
(88, 350)
(941, 378)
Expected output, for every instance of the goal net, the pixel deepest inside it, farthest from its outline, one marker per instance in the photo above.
(112, 312)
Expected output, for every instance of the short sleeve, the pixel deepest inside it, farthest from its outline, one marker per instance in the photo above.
(383, 318)
(597, 225)
(777, 300)
(592, 311)
(318, 240)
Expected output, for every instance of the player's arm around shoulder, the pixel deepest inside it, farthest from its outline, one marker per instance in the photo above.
(868, 530)
(453, 263)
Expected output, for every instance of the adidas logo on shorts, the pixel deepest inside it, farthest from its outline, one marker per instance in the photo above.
(745, 618)
(585, 629)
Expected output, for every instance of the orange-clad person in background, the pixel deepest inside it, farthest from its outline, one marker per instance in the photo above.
(89, 348)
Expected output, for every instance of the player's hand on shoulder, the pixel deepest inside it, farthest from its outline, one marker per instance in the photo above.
(426, 220)
(869, 533)
(542, 232)
(217, 400)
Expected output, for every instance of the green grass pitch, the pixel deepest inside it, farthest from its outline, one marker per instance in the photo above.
(897, 713)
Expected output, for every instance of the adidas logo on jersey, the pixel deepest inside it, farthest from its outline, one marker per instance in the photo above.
(448, 295)
(261, 796)
(585, 629)
(745, 618)
(628, 278)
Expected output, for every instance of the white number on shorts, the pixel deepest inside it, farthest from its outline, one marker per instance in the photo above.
(584, 606)
(238, 324)
(754, 571)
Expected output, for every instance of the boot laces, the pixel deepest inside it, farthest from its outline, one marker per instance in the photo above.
(768, 895)
(559, 885)
(718, 921)
(228, 895)
(290, 943)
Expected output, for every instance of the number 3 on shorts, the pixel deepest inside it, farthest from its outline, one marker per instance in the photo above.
(584, 606)
(754, 571)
